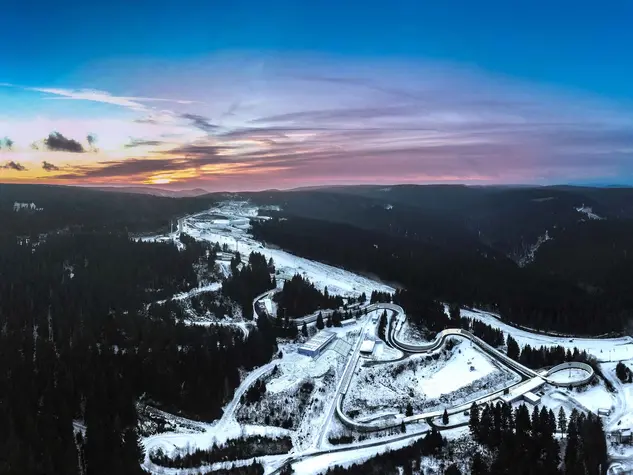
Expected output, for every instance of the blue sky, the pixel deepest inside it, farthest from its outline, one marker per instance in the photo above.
(553, 67)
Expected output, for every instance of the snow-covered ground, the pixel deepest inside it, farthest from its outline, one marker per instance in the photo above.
(228, 224)
(588, 211)
(321, 463)
(442, 379)
(603, 349)
(594, 398)
(409, 333)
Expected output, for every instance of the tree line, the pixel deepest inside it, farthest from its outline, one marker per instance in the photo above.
(522, 439)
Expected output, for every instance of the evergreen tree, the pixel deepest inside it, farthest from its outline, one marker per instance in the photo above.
(304, 329)
(513, 348)
(452, 469)
(319, 322)
(445, 417)
(473, 422)
(478, 465)
(562, 420)
(454, 312)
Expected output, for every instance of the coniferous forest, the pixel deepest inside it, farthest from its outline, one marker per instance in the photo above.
(80, 347)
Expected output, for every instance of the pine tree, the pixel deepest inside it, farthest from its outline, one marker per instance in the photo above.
(513, 351)
(409, 410)
(133, 451)
(445, 417)
(478, 465)
(319, 322)
(454, 312)
(562, 420)
(452, 470)
(304, 330)
(328, 322)
(473, 422)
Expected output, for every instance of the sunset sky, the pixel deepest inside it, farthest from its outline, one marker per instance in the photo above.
(247, 95)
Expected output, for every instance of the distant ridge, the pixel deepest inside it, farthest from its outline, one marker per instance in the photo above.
(148, 190)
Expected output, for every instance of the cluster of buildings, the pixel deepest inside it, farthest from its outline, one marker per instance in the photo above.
(17, 207)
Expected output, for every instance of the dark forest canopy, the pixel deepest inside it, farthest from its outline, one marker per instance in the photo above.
(299, 297)
(527, 296)
(79, 343)
(64, 207)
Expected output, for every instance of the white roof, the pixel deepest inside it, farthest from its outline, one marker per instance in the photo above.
(527, 386)
(367, 346)
(531, 397)
(318, 340)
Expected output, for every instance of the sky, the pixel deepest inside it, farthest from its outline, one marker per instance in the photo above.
(250, 95)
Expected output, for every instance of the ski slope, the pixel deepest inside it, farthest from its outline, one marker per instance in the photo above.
(228, 224)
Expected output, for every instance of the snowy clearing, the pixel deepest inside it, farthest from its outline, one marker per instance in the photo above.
(228, 224)
(603, 349)
(443, 378)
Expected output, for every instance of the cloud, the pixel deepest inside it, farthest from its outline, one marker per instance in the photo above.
(142, 166)
(8, 143)
(143, 143)
(18, 167)
(58, 143)
(49, 167)
(200, 122)
(95, 95)
(321, 121)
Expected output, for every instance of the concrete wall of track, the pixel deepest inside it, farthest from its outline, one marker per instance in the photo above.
(437, 343)
(570, 365)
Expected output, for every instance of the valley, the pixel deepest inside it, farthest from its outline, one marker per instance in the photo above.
(392, 396)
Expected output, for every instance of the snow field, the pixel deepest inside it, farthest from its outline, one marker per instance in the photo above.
(603, 349)
(429, 382)
(216, 226)
(594, 397)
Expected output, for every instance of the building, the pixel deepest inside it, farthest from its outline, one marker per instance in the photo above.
(317, 344)
(517, 392)
(367, 347)
(532, 398)
(623, 436)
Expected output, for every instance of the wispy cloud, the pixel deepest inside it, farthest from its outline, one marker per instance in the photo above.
(143, 143)
(200, 122)
(333, 122)
(95, 95)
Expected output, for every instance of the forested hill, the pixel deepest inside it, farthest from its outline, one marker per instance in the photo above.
(34, 209)
(557, 258)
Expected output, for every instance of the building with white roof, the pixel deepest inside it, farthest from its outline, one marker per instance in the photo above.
(367, 347)
(317, 344)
